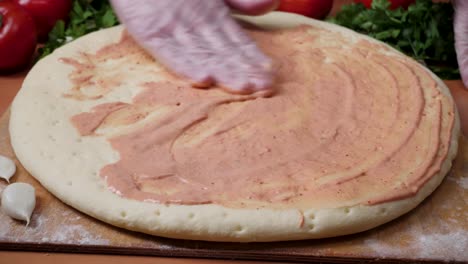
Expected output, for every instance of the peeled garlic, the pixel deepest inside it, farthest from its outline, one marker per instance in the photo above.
(7, 168)
(18, 201)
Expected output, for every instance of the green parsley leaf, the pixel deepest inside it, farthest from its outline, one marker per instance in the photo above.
(108, 19)
(85, 17)
(424, 31)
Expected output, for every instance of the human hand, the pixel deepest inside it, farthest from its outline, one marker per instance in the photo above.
(199, 40)
(461, 37)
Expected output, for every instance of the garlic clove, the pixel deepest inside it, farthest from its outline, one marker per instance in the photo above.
(18, 201)
(7, 168)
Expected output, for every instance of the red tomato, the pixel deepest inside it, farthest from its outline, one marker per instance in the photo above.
(394, 3)
(46, 13)
(17, 36)
(317, 9)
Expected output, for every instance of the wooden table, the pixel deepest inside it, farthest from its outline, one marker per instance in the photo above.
(9, 85)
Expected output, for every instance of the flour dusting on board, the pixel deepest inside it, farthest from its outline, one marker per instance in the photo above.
(462, 182)
(450, 246)
(78, 231)
(80, 234)
(443, 236)
(44, 231)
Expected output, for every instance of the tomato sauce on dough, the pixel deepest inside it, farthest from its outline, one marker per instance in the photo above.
(351, 122)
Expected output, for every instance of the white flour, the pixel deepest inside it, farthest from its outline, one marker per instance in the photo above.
(44, 231)
(462, 182)
(450, 246)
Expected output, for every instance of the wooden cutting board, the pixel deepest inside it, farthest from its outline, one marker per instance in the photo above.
(437, 230)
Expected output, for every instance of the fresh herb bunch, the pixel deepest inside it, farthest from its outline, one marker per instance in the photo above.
(86, 16)
(424, 31)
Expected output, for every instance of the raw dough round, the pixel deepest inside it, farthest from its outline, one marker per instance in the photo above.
(68, 164)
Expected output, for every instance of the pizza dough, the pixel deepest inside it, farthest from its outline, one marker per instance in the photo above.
(356, 135)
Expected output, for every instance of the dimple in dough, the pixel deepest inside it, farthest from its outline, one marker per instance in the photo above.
(19, 200)
(7, 168)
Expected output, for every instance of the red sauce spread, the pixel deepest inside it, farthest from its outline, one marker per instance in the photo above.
(350, 123)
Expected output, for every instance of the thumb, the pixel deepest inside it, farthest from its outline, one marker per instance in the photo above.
(253, 7)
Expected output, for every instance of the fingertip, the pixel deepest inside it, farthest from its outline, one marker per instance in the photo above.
(256, 86)
(261, 84)
(244, 78)
(253, 7)
(238, 87)
(200, 80)
(234, 85)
